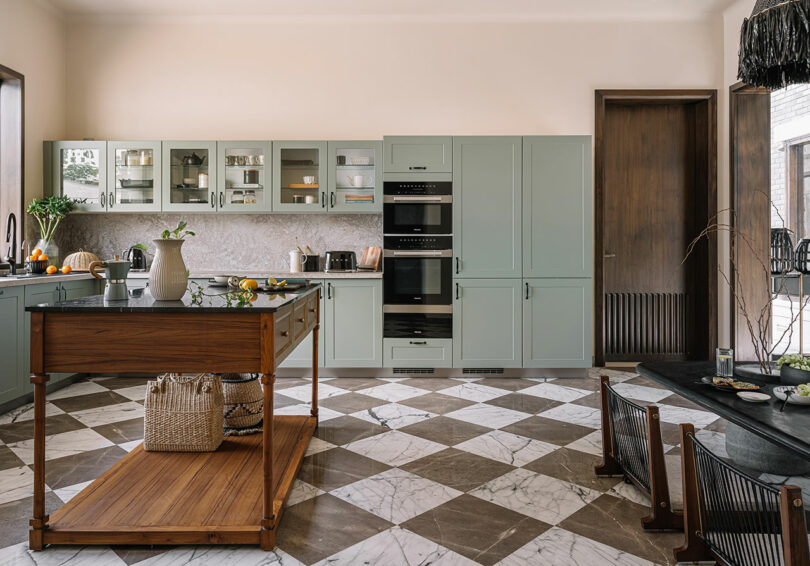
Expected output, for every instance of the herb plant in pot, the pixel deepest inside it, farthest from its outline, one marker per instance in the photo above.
(49, 212)
(168, 277)
(794, 369)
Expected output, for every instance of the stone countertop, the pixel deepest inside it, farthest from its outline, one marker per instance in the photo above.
(280, 275)
(36, 280)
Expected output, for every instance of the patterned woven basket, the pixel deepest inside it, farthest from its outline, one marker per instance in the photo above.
(244, 403)
(183, 413)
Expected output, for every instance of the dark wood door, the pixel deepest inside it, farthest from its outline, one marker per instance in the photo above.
(654, 194)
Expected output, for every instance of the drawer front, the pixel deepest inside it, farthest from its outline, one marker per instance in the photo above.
(299, 319)
(417, 353)
(283, 331)
(312, 310)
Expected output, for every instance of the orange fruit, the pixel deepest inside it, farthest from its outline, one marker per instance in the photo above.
(36, 251)
(251, 284)
(33, 257)
(42, 257)
(51, 270)
(66, 269)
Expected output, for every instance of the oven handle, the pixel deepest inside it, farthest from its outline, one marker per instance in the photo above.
(418, 199)
(418, 253)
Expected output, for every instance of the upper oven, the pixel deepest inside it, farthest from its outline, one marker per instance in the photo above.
(417, 271)
(418, 207)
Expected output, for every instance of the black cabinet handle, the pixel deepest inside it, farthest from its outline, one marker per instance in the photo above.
(221, 200)
(323, 200)
(418, 342)
(418, 168)
(457, 268)
(112, 199)
(331, 200)
(527, 291)
(103, 200)
(213, 200)
(328, 290)
(457, 291)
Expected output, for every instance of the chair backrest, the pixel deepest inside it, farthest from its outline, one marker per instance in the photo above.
(628, 431)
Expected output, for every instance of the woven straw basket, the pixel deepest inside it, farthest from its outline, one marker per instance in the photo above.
(244, 401)
(183, 413)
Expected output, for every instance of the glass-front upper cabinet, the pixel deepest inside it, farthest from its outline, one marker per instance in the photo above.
(134, 179)
(299, 176)
(189, 176)
(243, 184)
(78, 169)
(355, 176)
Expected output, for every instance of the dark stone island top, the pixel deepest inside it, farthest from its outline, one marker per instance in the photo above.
(213, 300)
(790, 429)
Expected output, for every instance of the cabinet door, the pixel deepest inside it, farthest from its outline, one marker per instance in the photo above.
(78, 289)
(557, 323)
(557, 207)
(301, 357)
(134, 176)
(79, 171)
(355, 176)
(486, 323)
(486, 206)
(12, 340)
(299, 176)
(354, 323)
(244, 181)
(189, 176)
(418, 154)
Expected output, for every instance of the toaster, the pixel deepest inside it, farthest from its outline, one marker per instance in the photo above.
(340, 261)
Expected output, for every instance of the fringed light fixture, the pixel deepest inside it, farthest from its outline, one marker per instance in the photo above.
(775, 44)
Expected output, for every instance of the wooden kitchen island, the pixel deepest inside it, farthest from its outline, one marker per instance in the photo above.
(234, 495)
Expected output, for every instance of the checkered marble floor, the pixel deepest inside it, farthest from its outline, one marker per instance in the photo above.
(401, 471)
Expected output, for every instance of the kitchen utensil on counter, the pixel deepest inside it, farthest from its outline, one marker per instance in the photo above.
(340, 261)
(137, 258)
(297, 260)
(370, 258)
(222, 279)
(116, 270)
(313, 260)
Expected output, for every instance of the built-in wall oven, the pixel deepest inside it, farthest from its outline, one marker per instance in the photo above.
(418, 207)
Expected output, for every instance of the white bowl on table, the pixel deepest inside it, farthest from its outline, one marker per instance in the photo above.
(795, 398)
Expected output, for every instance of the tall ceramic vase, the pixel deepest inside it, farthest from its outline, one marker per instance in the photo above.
(168, 279)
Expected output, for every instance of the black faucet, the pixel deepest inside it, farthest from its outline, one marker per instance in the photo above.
(11, 238)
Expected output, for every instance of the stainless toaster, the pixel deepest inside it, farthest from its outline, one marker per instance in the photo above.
(340, 261)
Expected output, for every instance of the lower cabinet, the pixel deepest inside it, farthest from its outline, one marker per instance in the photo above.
(353, 316)
(487, 323)
(12, 343)
(301, 357)
(557, 323)
(417, 353)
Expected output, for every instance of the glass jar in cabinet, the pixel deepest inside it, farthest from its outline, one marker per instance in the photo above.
(78, 169)
(134, 179)
(355, 179)
(189, 176)
(244, 182)
(299, 176)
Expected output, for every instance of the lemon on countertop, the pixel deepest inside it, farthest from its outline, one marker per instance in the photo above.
(248, 284)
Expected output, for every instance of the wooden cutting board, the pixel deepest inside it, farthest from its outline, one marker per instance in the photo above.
(371, 257)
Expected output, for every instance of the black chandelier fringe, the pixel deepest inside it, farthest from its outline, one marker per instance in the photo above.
(775, 44)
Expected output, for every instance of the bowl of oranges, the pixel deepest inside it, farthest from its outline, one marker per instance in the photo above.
(37, 262)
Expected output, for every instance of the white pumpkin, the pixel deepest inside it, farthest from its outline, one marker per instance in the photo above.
(80, 260)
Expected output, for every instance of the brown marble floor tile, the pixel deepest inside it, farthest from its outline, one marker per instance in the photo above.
(523, 403)
(572, 466)
(14, 517)
(70, 470)
(356, 383)
(548, 430)
(319, 527)
(457, 469)
(617, 523)
(670, 433)
(8, 459)
(677, 401)
(337, 467)
(24, 430)
(122, 431)
(286, 382)
(594, 401)
(445, 430)
(638, 380)
(343, 430)
(437, 403)
(91, 401)
(280, 401)
(431, 383)
(352, 402)
(477, 529)
(508, 383)
(718, 426)
(123, 382)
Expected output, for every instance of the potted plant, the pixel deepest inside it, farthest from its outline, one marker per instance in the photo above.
(794, 369)
(49, 212)
(168, 277)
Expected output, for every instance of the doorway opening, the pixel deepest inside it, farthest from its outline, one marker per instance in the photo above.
(11, 150)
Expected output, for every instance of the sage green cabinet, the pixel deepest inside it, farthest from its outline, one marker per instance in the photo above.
(243, 183)
(417, 352)
(557, 207)
(189, 176)
(78, 169)
(299, 176)
(418, 154)
(12, 343)
(134, 180)
(557, 327)
(355, 176)
(487, 206)
(301, 357)
(487, 323)
(353, 310)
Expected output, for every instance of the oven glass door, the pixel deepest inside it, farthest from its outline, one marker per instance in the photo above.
(418, 218)
(418, 281)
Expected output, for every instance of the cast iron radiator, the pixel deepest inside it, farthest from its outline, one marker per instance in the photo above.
(646, 326)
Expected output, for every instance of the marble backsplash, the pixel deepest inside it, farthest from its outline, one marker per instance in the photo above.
(227, 242)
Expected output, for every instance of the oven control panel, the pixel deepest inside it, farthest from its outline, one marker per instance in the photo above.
(418, 242)
(418, 188)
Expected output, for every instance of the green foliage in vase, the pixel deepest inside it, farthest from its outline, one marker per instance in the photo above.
(178, 233)
(49, 212)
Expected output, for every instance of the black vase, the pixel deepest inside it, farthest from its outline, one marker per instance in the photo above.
(801, 258)
(781, 251)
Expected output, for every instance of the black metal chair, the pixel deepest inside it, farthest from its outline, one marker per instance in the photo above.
(734, 518)
(632, 447)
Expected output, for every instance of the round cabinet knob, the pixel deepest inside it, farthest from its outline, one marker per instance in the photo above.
(300, 320)
(285, 333)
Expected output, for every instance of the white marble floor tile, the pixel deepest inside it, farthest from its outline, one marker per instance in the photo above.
(393, 379)
(304, 392)
(556, 391)
(563, 548)
(109, 414)
(396, 547)
(69, 492)
(393, 415)
(324, 414)
(547, 499)
(61, 445)
(474, 392)
(714, 441)
(393, 392)
(317, 445)
(576, 414)
(26, 413)
(301, 491)
(640, 392)
(131, 445)
(678, 415)
(467, 379)
(136, 393)
(542, 379)
(394, 448)
(19, 555)
(615, 376)
(16, 483)
(507, 448)
(396, 495)
(629, 491)
(74, 389)
(221, 556)
(488, 415)
(590, 444)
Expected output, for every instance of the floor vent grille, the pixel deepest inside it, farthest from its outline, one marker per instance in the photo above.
(484, 371)
(419, 371)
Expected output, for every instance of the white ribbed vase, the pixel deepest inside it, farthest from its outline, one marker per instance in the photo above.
(168, 279)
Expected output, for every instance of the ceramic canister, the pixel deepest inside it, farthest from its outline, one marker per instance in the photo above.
(168, 279)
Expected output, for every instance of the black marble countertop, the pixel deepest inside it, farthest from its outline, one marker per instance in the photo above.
(213, 300)
(790, 429)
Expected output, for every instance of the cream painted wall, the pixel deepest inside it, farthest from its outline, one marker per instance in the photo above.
(32, 42)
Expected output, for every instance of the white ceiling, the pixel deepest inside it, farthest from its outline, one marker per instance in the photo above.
(402, 9)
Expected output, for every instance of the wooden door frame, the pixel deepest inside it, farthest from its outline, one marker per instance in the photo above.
(682, 96)
(17, 175)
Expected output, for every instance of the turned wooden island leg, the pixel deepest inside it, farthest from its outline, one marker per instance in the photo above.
(40, 521)
(268, 533)
(315, 370)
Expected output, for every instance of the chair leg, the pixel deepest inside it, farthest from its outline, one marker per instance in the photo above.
(661, 515)
(609, 466)
(694, 549)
